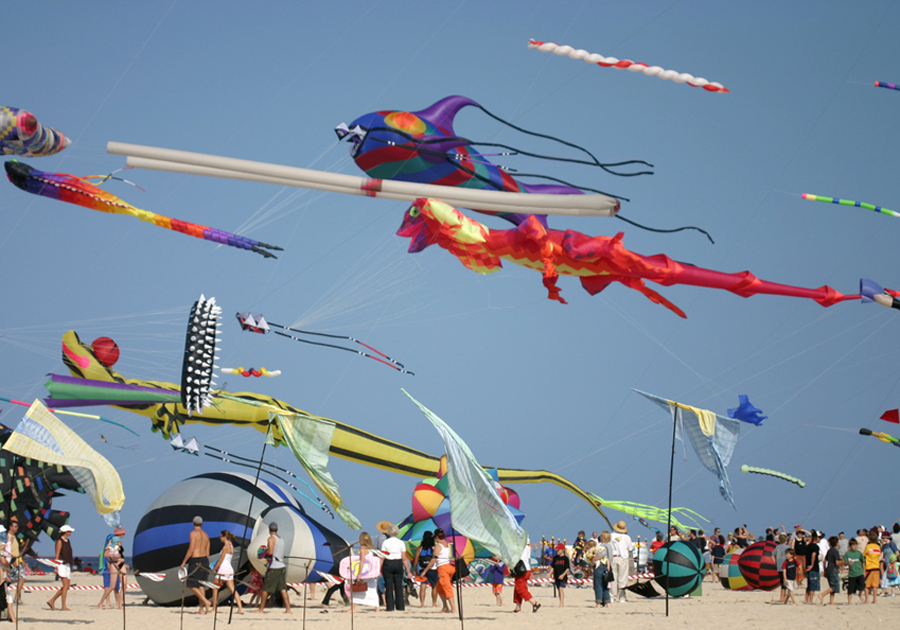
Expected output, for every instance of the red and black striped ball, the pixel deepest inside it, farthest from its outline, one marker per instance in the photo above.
(757, 565)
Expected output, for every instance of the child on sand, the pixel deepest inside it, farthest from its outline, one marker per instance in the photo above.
(561, 568)
(833, 564)
(789, 569)
(856, 580)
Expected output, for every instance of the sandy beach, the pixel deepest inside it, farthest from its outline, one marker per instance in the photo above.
(715, 609)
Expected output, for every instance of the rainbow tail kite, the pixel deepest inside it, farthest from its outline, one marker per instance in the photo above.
(856, 204)
(76, 190)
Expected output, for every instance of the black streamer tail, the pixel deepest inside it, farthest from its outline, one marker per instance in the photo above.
(594, 160)
(679, 229)
(381, 358)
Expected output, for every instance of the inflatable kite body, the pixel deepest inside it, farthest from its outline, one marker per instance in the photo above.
(422, 147)
(747, 412)
(598, 261)
(730, 573)
(223, 500)
(679, 568)
(249, 409)
(22, 134)
(27, 489)
(80, 192)
(757, 564)
(431, 509)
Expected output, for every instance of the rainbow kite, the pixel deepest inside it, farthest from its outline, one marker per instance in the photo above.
(79, 191)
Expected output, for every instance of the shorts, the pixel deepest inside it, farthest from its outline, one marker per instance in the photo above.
(496, 589)
(107, 580)
(197, 572)
(560, 583)
(16, 573)
(64, 570)
(274, 581)
(834, 581)
(856, 584)
(432, 577)
(812, 582)
(873, 578)
(790, 585)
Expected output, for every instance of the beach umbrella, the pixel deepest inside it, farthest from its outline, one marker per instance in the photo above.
(678, 567)
(757, 565)
(730, 573)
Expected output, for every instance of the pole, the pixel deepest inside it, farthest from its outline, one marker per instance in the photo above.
(669, 521)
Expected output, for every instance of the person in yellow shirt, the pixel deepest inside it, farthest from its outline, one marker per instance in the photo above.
(872, 556)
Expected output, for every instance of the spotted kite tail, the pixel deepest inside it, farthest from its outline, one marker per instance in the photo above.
(627, 64)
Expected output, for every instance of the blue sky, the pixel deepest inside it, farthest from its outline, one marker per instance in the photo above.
(528, 382)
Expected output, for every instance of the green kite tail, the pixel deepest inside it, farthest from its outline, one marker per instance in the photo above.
(651, 513)
(773, 473)
(855, 204)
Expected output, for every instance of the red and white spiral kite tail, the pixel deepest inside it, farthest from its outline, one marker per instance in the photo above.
(633, 66)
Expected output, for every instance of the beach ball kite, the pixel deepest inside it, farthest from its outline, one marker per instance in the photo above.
(757, 564)
(678, 567)
(431, 509)
(223, 500)
(730, 573)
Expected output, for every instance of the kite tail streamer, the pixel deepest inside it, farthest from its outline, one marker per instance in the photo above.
(640, 511)
(848, 202)
(889, 86)
(605, 166)
(664, 231)
(772, 473)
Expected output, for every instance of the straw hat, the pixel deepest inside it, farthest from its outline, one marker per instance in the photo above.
(621, 527)
(383, 526)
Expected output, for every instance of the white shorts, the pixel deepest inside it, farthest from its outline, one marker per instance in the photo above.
(64, 570)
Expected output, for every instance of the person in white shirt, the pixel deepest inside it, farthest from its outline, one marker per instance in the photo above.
(395, 562)
(622, 548)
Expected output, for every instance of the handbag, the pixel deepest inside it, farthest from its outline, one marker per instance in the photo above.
(359, 587)
(520, 569)
(609, 577)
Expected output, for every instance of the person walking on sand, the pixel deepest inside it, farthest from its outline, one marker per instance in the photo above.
(789, 582)
(561, 567)
(522, 573)
(274, 579)
(16, 569)
(64, 569)
(622, 548)
(393, 569)
(445, 569)
(224, 571)
(197, 561)
(832, 563)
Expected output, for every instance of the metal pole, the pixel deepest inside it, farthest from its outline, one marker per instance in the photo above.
(669, 522)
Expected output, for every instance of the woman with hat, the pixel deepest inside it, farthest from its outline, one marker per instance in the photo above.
(64, 568)
(622, 547)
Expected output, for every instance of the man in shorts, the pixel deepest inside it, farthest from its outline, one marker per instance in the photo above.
(197, 564)
(16, 570)
(274, 580)
(856, 580)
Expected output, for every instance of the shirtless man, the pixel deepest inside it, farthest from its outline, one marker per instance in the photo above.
(197, 561)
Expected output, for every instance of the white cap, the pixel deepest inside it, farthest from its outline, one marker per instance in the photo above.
(66, 528)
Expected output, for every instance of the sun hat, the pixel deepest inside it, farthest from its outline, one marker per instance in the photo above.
(383, 526)
(621, 527)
